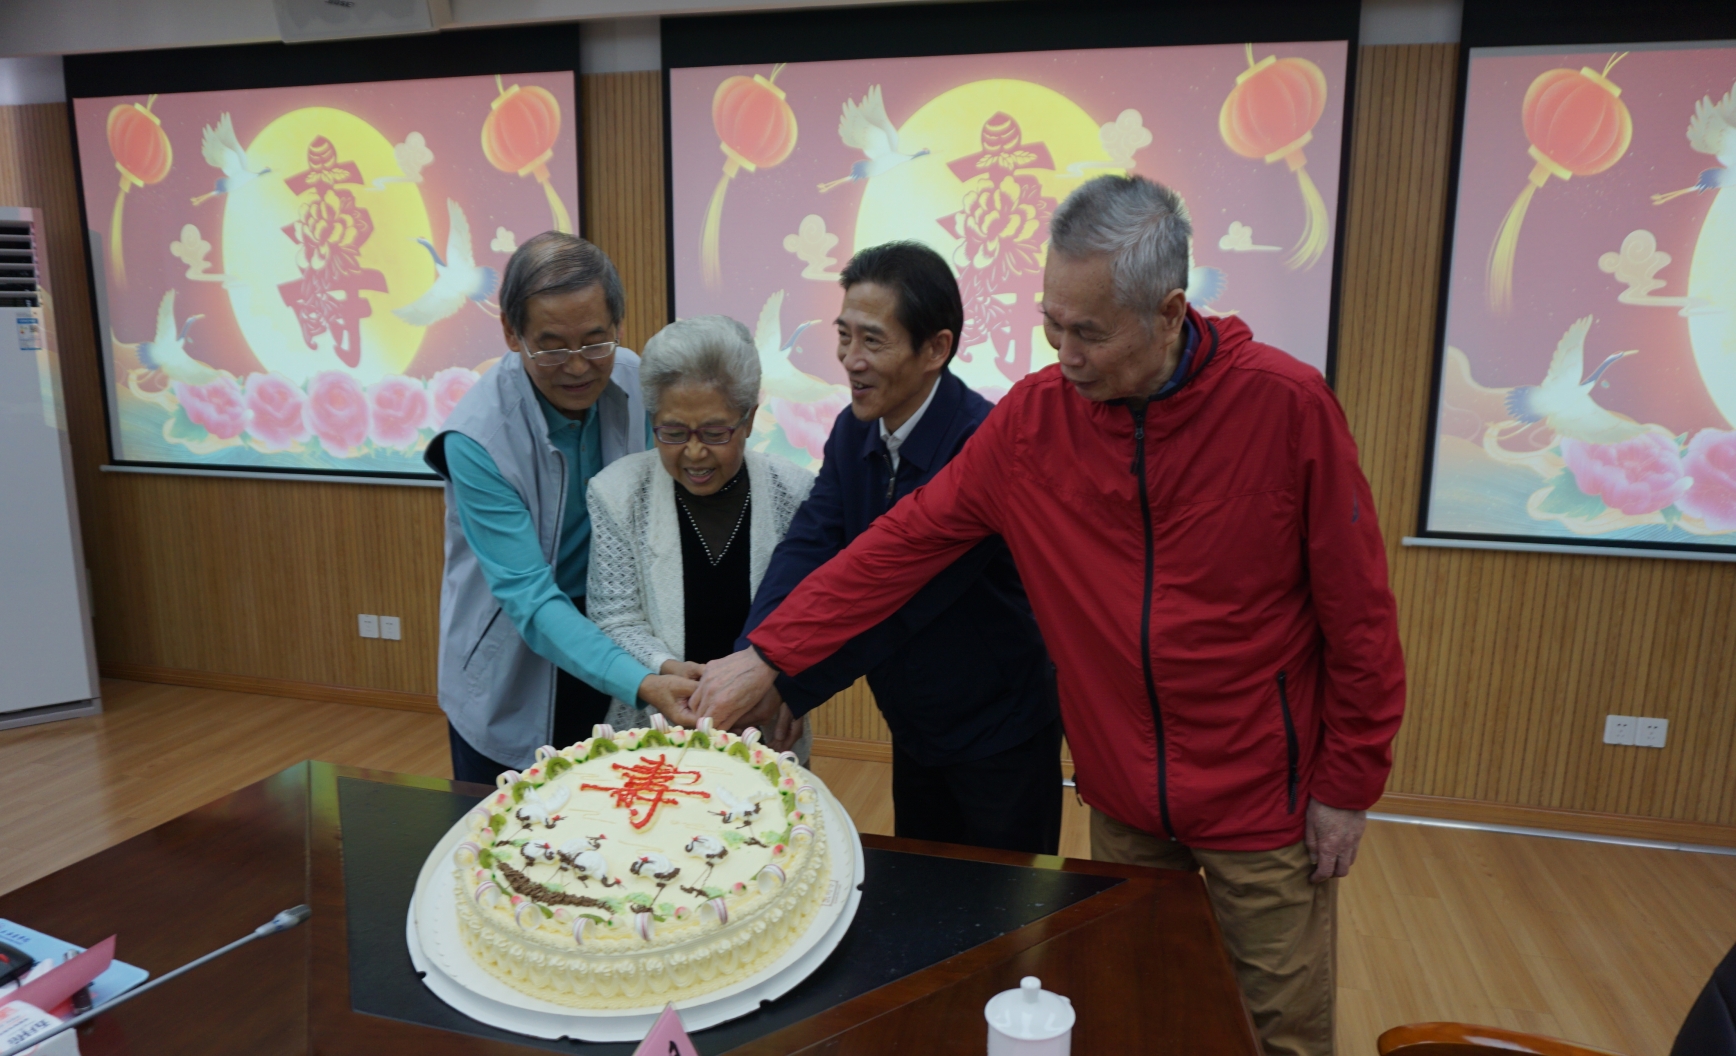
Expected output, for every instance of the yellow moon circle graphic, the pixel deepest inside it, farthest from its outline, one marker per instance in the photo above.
(258, 256)
(1712, 277)
(906, 202)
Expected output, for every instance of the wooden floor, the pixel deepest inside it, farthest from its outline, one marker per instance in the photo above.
(1601, 944)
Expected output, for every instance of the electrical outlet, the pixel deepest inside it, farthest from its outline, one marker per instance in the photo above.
(390, 628)
(1651, 732)
(369, 626)
(1619, 729)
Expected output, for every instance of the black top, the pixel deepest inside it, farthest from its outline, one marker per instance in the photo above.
(960, 672)
(716, 597)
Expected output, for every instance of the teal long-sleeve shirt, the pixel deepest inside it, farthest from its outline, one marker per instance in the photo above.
(538, 597)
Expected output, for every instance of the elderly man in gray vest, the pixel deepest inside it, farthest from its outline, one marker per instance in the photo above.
(520, 663)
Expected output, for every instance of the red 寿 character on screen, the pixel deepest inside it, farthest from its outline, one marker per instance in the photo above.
(1002, 225)
(330, 232)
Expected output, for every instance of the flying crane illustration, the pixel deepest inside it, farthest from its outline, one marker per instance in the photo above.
(223, 151)
(1564, 403)
(457, 279)
(167, 350)
(1712, 130)
(866, 127)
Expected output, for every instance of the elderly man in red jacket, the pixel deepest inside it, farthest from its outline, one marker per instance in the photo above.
(1200, 549)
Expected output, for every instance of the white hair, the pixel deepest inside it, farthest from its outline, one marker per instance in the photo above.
(1140, 224)
(711, 350)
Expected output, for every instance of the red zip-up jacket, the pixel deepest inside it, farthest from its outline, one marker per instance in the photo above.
(1208, 576)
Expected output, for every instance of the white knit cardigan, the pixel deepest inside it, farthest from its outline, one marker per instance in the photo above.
(636, 592)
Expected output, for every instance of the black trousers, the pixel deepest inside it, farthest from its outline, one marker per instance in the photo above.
(1010, 801)
(578, 707)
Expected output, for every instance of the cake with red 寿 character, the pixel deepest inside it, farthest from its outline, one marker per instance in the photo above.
(640, 867)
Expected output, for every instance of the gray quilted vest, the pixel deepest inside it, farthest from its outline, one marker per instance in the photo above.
(498, 694)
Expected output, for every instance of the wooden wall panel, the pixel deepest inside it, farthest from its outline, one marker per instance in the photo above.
(622, 185)
(851, 715)
(1513, 658)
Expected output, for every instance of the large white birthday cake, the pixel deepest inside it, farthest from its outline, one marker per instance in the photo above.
(640, 867)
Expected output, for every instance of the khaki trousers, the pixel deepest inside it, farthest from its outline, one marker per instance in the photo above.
(1280, 929)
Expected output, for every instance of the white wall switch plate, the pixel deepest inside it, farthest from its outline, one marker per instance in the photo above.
(369, 626)
(389, 628)
(1651, 732)
(1619, 729)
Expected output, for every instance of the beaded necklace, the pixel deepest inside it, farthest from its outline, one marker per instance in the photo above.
(740, 519)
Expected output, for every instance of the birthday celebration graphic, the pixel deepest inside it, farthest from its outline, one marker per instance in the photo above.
(305, 278)
(1588, 387)
(782, 172)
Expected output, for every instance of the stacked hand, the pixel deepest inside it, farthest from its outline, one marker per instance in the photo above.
(737, 691)
(734, 689)
(671, 695)
(685, 668)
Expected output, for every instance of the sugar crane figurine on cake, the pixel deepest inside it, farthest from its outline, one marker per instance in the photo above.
(1564, 403)
(866, 127)
(1712, 130)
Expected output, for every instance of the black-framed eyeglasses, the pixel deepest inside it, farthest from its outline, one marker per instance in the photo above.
(710, 436)
(554, 357)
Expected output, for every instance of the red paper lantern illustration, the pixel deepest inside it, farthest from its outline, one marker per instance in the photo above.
(758, 130)
(519, 137)
(1270, 114)
(143, 155)
(1578, 126)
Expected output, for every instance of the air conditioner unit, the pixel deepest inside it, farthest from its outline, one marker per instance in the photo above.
(299, 21)
(46, 648)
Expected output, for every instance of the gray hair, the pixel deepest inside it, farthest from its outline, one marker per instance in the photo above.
(1141, 224)
(712, 350)
(555, 262)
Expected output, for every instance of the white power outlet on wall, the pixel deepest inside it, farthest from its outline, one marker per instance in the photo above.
(368, 625)
(1635, 729)
(390, 628)
(1619, 729)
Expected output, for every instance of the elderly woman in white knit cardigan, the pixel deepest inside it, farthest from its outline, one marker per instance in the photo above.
(682, 534)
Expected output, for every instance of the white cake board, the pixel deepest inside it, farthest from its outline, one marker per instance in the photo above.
(447, 968)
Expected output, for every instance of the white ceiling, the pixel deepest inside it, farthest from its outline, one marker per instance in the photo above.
(619, 35)
(70, 27)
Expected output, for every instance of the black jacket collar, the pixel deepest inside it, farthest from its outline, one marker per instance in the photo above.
(923, 446)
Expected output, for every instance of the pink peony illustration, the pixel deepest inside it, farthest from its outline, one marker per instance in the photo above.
(399, 407)
(337, 412)
(807, 425)
(216, 405)
(274, 406)
(1637, 476)
(446, 389)
(1711, 461)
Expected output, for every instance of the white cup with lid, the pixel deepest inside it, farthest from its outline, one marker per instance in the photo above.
(1029, 1021)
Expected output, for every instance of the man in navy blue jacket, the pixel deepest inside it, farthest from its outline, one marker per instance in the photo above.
(960, 672)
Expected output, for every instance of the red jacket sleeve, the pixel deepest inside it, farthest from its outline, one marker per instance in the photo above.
(1347, 577)
(884, 568)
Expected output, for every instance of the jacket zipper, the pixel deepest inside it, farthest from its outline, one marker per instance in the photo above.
(1291, 749)
(1145, 619)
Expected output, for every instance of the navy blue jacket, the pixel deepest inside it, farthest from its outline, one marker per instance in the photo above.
(960, 672)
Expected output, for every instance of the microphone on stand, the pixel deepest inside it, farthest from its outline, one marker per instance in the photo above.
(289, 918)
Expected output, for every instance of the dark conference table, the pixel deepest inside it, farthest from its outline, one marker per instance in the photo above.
(1136, 950)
